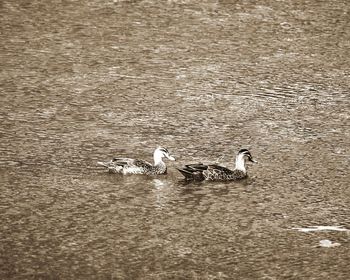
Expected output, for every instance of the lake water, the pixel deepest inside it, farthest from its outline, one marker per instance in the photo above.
(83, 81)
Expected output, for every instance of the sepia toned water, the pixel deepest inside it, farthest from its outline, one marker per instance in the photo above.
(83, 81)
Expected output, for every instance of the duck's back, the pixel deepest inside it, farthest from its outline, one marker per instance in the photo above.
(220, 173)
(212, 172)
(133, 166)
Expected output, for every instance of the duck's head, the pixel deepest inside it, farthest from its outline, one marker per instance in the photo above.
(160, 153)
(245, 154)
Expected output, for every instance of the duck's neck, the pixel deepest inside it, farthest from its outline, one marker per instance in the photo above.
(158, 160)
(159, 165)
(240, 163)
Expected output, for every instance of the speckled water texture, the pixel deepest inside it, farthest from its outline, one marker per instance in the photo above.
(83, 81)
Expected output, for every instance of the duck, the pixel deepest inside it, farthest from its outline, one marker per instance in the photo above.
(213, 172)
(136, 166)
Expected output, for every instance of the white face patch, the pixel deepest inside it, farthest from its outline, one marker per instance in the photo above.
(158, 155)
(240, 162)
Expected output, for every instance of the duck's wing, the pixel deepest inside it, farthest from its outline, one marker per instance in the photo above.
(218, 168)
(211, 172)
(196, 166)
(193, 171)
(200, 172)
(217, 172)
(118, 164)
(132, 163)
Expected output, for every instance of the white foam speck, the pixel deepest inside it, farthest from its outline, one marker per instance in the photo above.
(322, 228)
(328, 243)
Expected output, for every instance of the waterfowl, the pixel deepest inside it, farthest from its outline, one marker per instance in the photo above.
(213, 172)
(136, 166)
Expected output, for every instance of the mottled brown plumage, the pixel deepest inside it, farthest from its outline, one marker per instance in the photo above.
(213, 172)
(136, 166)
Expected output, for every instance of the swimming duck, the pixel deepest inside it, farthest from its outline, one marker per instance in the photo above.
(213, 172)
(136, 166)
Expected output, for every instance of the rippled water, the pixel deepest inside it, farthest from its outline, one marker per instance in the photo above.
(82, 81)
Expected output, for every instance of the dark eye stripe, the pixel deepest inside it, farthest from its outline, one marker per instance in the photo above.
(164, 150)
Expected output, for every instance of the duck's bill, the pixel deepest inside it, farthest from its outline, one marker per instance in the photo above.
(252, 160)
(171, 157)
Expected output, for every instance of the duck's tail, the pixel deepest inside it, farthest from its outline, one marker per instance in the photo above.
(112, 168)
(193, 172)
(187, 174)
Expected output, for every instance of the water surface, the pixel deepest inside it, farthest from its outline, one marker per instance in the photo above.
(83, 81)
